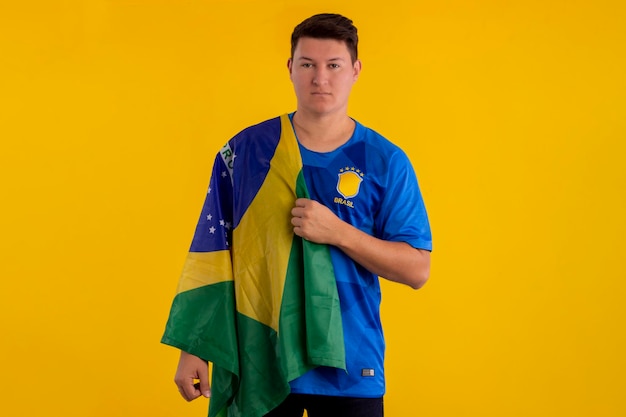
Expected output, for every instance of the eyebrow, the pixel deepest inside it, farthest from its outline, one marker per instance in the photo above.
(311, 59)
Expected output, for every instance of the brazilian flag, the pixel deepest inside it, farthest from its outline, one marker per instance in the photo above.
(254, 299)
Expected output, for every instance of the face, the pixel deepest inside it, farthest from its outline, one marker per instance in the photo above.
(322, 74)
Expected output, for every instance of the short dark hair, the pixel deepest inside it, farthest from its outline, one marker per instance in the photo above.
(327, 26)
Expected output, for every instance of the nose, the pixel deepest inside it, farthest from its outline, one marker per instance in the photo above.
(321, 76)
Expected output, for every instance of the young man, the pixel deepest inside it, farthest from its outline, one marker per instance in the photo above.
(304, 213)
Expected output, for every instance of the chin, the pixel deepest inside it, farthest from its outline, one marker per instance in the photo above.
(323, 109)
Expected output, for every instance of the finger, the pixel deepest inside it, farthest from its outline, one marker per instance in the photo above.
(301, 202)
(182, 394)
(206, 392)
(203, 376)
(188, 391)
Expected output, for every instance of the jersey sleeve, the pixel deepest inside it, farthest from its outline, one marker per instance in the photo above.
(402, 216)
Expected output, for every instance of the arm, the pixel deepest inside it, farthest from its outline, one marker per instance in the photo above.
(395, 261)
(191, 368)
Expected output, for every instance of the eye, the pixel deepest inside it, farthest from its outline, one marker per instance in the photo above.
(307, 65)
(334, 66)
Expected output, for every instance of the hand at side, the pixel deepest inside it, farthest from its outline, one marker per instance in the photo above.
(190, 369)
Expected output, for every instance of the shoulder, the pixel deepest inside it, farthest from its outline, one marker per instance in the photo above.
(254, 145)
(258, 132)
(379, 147)
(373, 138)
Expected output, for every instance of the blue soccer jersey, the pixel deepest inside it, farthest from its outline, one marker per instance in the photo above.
(370, 183)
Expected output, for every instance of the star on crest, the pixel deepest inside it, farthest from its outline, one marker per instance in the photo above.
(352, 169)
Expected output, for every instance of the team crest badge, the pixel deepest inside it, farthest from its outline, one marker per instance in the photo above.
(349, 182)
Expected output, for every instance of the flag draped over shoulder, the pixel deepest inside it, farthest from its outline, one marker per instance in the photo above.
(257, 301)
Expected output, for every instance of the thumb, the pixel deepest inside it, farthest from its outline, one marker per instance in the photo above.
(203, 376)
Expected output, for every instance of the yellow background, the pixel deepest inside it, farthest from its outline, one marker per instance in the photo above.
(513, 113)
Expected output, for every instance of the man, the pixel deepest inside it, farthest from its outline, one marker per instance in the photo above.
(353, 199)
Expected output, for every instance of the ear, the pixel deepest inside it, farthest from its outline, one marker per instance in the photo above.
(356, 69)
(290, 65)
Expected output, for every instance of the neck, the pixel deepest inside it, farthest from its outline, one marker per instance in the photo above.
(323, 133)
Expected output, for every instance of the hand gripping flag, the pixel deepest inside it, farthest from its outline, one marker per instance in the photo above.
(254, 299)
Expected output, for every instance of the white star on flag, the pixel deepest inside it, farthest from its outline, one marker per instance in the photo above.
(209, 217)
(211, 229)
